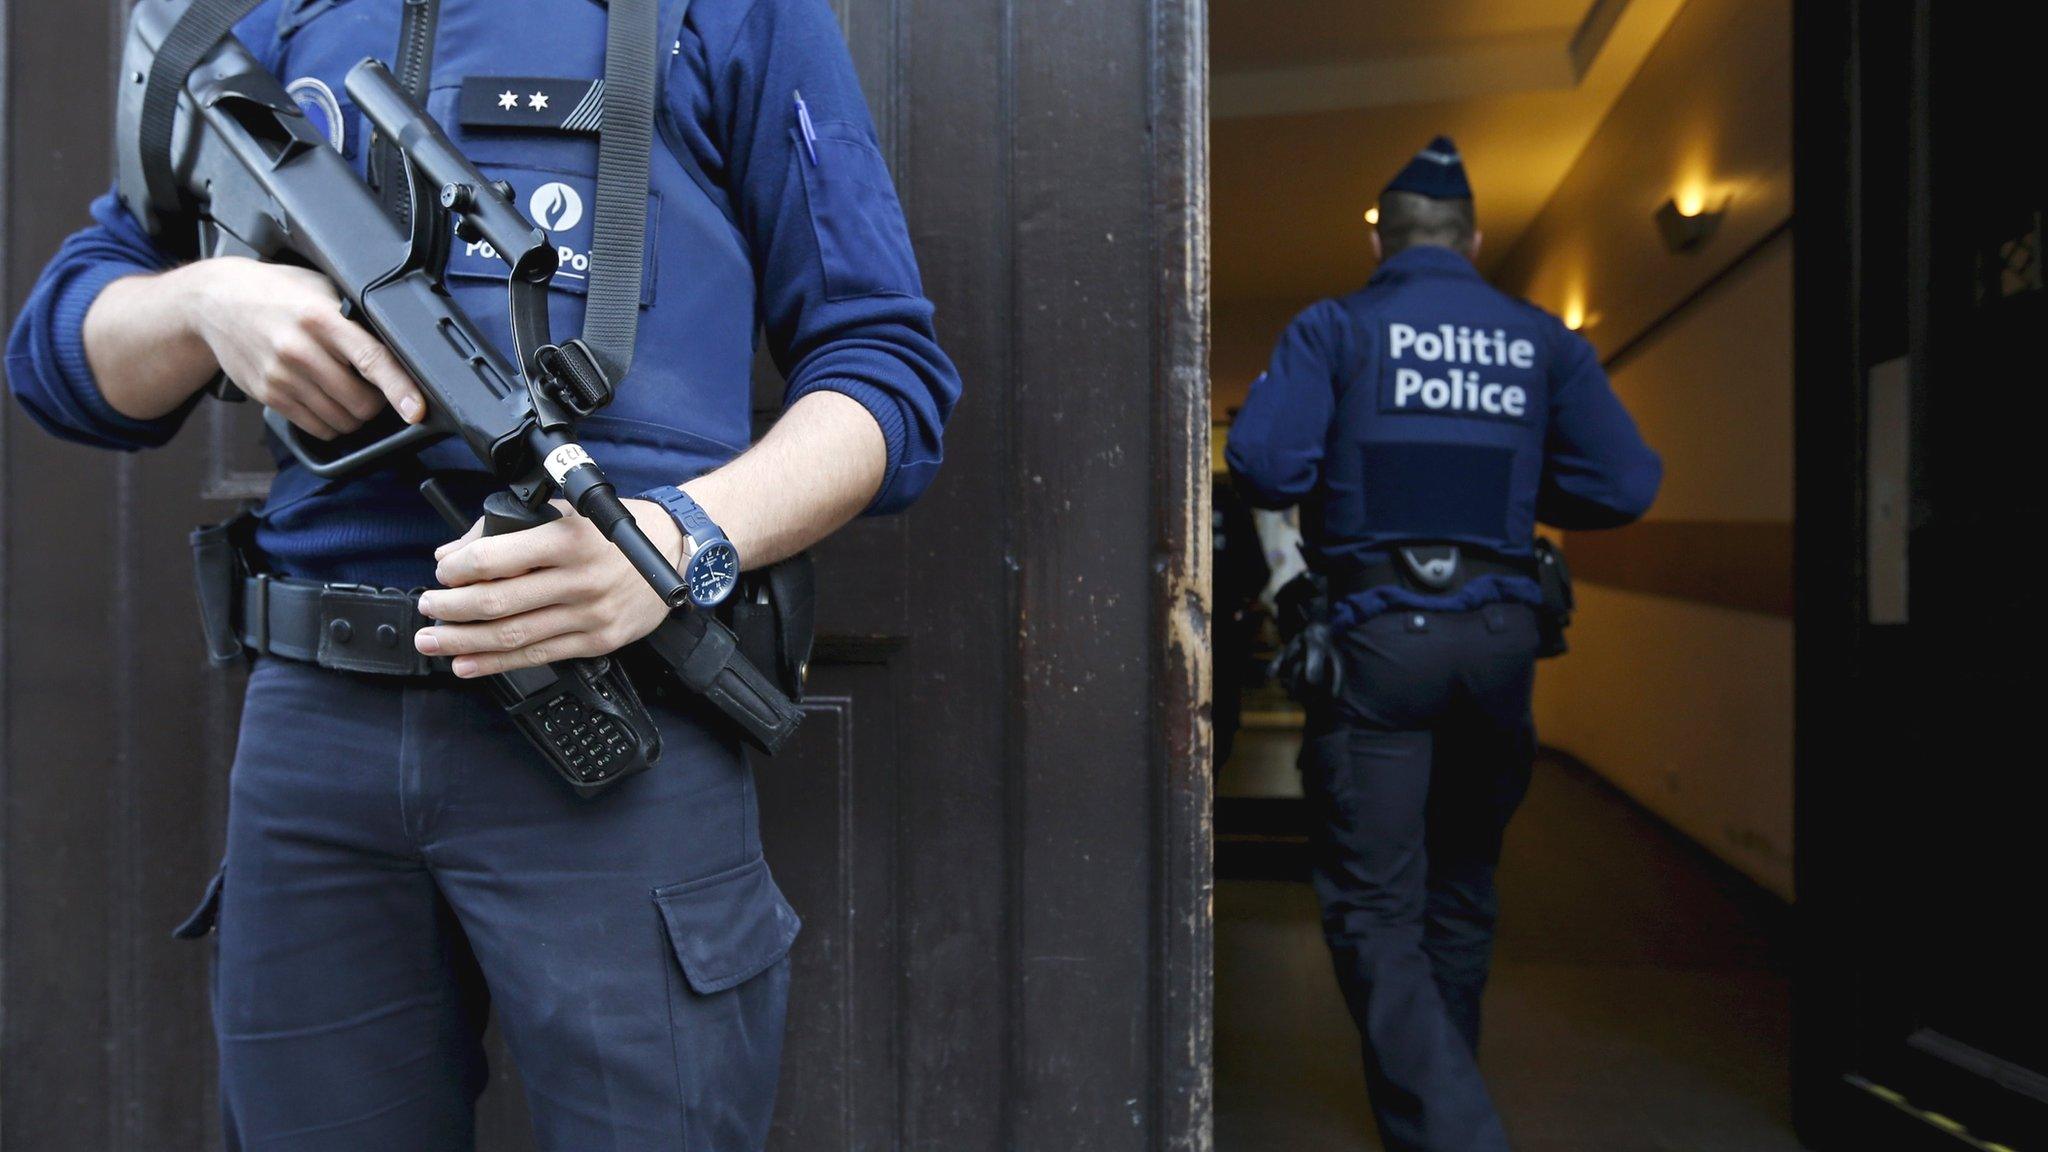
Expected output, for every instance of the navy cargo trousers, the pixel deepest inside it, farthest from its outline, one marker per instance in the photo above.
(400, 864)
(1411, 778)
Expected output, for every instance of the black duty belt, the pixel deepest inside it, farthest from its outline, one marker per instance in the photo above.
(345, 627)
(1431, 569)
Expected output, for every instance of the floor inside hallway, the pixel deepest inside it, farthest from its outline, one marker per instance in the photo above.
(1639, 1000)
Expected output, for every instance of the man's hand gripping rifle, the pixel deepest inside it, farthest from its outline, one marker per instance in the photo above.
(241, 164)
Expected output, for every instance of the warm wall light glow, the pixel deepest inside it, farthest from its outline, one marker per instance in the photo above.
(1691, 200)
(1372, 215)
(1575, 314)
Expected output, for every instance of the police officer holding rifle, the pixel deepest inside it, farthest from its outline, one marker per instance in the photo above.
(666, 180)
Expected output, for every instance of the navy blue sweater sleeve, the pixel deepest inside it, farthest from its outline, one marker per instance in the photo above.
(841, 300)
(1275, 450)
(1598, 472)
(46, 363)
(47, 368)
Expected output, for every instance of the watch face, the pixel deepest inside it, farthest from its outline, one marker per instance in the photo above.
(714, 569)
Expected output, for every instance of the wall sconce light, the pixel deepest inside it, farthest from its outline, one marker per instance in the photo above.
(1372, 215)
(1576, 310)
(1686, 223)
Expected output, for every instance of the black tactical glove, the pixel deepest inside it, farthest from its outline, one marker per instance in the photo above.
(1297, 602)
(1308, 667)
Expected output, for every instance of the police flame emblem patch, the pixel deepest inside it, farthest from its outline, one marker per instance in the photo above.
(555, 206)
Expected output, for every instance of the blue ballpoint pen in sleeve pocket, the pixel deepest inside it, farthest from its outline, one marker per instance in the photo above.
(803, 123)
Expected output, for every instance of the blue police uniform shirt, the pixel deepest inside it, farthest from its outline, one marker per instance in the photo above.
(760, 221)
(1430, 406)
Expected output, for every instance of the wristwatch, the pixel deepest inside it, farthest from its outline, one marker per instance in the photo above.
(714, 567)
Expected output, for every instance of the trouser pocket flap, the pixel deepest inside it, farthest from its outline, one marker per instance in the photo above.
(202, 918)
(727, 929)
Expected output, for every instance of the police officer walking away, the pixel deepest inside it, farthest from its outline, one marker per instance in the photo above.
(399, 858)
(1425, 424)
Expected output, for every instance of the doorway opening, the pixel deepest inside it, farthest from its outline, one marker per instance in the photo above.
(1632, 166)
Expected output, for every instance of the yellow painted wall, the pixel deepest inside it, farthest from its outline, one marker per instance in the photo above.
(1712, 391)
(1688, 706)
(1683, 704)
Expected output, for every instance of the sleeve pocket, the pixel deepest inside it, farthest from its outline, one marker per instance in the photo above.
(202, 918)
(863, 243)
(727, 929)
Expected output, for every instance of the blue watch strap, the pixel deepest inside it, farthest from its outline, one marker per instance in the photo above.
(696, 522)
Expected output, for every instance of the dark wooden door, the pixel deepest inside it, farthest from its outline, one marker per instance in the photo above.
(995, 824)
(1920, 310)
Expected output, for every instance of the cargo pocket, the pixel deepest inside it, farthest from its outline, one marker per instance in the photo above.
(203, 918)
(729, 928)
(728, 996)
(863, 242)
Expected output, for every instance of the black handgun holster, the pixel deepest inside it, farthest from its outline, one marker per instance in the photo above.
(1555, 613)
(219, 570)
(774, 613)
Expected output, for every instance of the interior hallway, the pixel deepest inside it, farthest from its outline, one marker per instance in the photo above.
(1639, 998)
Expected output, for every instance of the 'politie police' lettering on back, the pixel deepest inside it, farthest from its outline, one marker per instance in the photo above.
(1457, 369)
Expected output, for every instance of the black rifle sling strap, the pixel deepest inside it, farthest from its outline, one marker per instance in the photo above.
(611, 314)
(414, 71)
(190, 39)
(697, 647)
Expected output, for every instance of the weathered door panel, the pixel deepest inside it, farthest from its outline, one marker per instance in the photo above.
(994, 824)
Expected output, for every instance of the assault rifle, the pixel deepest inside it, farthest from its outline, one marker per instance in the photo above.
(215, 153)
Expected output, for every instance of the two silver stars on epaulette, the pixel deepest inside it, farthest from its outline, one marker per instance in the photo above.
(509, 100)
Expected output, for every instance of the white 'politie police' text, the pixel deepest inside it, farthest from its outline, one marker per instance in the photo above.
(1460, 387)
